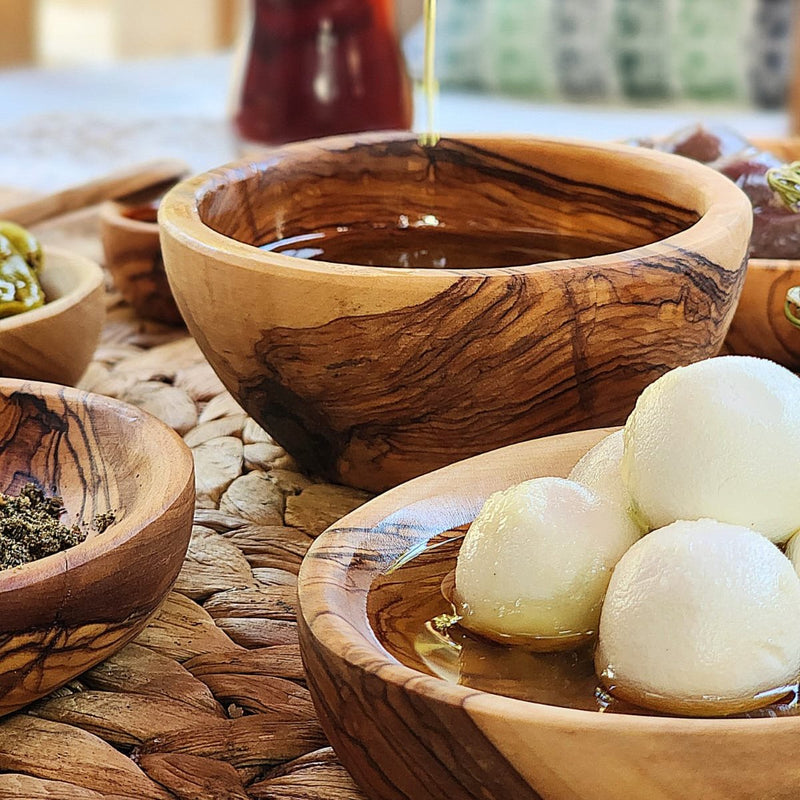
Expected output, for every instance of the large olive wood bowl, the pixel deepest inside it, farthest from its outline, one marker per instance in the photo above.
(403, 733)
(372, 375)
(66, 612)
(56, 342)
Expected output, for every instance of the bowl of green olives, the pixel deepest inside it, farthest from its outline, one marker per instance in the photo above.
(51, 309)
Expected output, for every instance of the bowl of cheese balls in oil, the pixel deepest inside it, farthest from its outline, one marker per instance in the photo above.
(52, 307)
(385, 307)
(96, 502)
(609, 613)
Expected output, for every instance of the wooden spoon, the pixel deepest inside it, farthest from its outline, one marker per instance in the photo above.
(112, 186)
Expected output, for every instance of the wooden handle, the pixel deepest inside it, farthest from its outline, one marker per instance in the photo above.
(112, 186)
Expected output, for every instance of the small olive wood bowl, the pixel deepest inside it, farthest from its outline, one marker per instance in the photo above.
(371, 375)
(129, 233)
(759, 327)
(56, 342)
(64, 613)
(403, 733)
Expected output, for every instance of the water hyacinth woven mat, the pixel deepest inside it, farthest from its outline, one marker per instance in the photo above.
(209, 703)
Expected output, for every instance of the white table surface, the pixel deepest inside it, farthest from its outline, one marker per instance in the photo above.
(62, 126)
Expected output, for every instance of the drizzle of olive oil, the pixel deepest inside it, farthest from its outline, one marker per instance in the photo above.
(430, 87)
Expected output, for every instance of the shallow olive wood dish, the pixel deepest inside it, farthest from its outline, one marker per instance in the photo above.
(129, 233)
(64, 613)
(372, 375)
(56, 342)
(405, 734)
(759, 326)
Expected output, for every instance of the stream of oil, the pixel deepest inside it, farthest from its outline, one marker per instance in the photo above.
(429, 85)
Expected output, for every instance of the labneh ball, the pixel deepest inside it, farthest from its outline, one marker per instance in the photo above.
(600, 470)
(700, 618)
(713, 440)
(536, 561)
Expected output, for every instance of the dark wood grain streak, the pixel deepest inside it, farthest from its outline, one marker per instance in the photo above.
(320, 404)
(63, 614)
(371, 375)
(759, 327)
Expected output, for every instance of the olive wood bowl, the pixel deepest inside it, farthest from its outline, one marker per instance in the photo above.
(371, 375)
(129, 232)
(760, 327)
(56, 342)
(64, 613)
(403, 733)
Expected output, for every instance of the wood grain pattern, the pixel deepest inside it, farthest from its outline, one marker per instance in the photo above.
(67, 612)
(406, 735)
(135, 352)
(56, 342)
(759, 327)
(370, 375)
(133, 257)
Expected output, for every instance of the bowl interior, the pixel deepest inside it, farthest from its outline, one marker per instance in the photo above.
(80, 447)
(399, 550)
(552, 193)
(66, 279)
(62, 614)
(406, 603)
(408, 613)
(379, 570)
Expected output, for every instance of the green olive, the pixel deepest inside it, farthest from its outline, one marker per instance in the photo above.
(24, 242)
(19, 286)
(791, 306)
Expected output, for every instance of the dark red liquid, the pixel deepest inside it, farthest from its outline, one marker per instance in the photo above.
(322, 67)
(143, 213)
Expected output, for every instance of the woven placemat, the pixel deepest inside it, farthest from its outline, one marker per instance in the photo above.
(209, 703)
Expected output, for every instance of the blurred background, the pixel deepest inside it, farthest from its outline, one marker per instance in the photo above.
(597, 69)
(632, 50)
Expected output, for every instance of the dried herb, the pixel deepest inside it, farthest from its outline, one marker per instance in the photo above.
(444, 622)
(31, 527)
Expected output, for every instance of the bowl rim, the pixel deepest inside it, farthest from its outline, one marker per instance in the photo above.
(179, 217)
(172, 448)
(87, 277)
(318, 584)
(114, 220)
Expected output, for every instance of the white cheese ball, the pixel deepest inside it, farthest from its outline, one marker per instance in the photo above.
(700, 610)
(536, 561)
(712, 440)
(600, 470)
